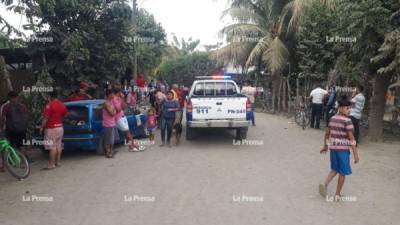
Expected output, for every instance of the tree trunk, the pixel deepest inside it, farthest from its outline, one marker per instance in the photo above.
(280, 95)
(297, 90)
(135, 17)
(284, 95)
(275, 91)
(377, 111)
(4, 75)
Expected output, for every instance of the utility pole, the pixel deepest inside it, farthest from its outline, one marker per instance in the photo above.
(135, 16)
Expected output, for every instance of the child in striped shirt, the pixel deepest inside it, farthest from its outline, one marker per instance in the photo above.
(339, 139)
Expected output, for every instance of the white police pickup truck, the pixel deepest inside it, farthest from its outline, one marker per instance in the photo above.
(215, 101)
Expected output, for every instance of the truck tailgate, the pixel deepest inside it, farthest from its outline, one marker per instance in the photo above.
(214, 108)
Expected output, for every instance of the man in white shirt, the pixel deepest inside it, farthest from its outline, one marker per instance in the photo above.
(358, 102)
(317, 97)
(250, 92)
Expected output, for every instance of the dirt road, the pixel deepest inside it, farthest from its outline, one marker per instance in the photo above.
(271, 179)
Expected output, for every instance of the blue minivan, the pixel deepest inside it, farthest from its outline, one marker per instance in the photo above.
(83, 126)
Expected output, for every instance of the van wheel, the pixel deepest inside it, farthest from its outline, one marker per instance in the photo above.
(190, 133)
(241, 133)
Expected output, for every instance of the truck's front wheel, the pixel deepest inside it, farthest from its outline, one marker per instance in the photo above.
(241, 133)
(190, 133)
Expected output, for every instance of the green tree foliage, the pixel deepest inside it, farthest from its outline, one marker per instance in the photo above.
(90, 39)
(180, 48)
(184, 69)
(314, 54)
(150, 42)
(87, 39)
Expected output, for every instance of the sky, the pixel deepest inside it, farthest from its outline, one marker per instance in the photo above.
(199, 19)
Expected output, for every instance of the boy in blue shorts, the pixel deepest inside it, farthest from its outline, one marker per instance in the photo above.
(339, 135)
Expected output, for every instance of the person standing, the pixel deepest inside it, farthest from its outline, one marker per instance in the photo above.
(141, 84)
(131, 99)
(110, 131)
(250, 92)
(81, 93)
(160, 97)
(15, 117)
(317, 98)
(330, 105)
(52, 124)
(122, 122)
(339, 139)
(2, 128)
(178, 96)
(169, 108)
(358, 102)
(152, 85)
(151, 124)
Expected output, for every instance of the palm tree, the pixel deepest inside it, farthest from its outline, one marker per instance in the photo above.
(261, 32)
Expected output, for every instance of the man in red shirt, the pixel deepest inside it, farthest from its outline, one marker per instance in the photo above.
(52, 124)
(81, 93)
(141, 83)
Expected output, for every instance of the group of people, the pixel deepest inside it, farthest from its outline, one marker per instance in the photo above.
(341, 138)
(165, 112)
(327, 99)
(14, 122)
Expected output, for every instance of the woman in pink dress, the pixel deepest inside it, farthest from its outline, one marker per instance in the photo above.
(121, 120)
(131, 99)
(110, 132)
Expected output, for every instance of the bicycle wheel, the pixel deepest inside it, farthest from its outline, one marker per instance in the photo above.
(17, 164)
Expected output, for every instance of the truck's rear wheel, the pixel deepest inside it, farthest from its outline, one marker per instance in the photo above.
(241, 133)
(190, 133)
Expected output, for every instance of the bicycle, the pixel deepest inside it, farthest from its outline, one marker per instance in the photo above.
(302, 116)
(14, 161)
